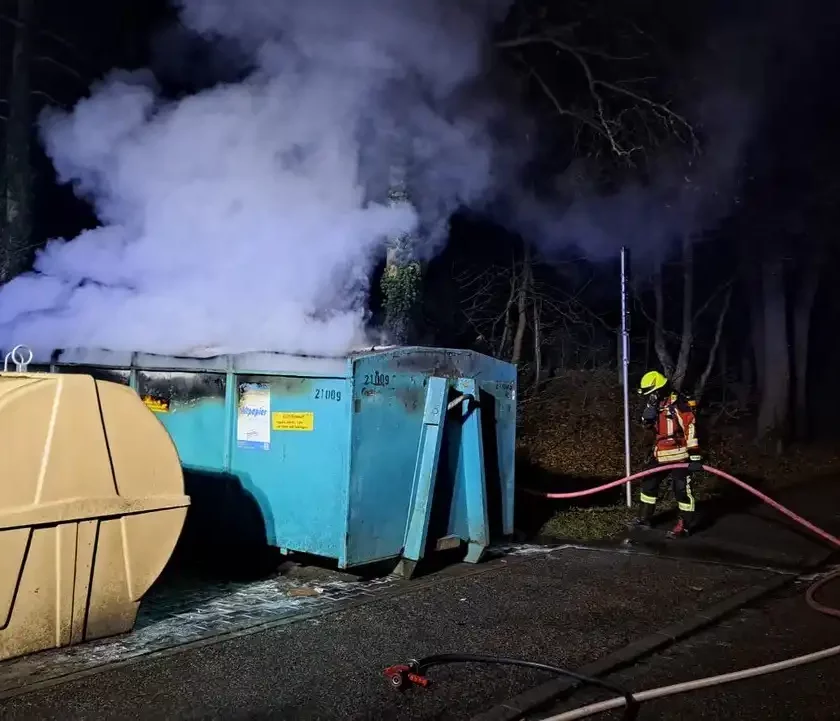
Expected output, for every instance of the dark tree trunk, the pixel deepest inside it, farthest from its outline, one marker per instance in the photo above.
(807, 292)
(687, 332)
(522, 307)
(757, 324)
(16, 221)
(660, 346)
(773, 413)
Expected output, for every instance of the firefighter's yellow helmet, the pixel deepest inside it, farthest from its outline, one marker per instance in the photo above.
(651, 381)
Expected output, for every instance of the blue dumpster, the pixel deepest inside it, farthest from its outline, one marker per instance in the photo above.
(386, 454)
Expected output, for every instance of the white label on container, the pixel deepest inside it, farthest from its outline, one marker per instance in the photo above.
(253, 422)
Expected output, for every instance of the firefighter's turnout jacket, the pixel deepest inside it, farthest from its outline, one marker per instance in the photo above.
(676, 429)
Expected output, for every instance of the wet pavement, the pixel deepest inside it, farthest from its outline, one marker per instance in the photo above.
(754, 533)
(779, 627)
(312, 645)
(173, 614)
(758, 529)
(568, 607)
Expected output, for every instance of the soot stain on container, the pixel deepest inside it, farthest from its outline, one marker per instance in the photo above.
(443, 364)
(100, 374)
(410, 397)
(180, 389)
(280, 385)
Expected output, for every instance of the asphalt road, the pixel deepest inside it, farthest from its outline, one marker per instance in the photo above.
(780, 627)
(569, 608)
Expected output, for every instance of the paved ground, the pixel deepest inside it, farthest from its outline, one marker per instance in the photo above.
(780, 540)
(758, 534)
(780, 627)
(312, 645)
(174, 614)
(568, 607)
(183, 609)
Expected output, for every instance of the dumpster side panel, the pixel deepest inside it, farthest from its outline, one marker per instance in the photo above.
(291, 452)
(387, 423)
(225, 523)
(191, 407)
(498, 424)
(496, 382)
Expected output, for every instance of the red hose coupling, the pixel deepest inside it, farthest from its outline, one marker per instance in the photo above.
(402, 675)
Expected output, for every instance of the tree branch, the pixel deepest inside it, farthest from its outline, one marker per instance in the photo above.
(723, 287)
(659, 344)
(687, 339)
(14, 22)
(710, 361)
(561, 110)
(40, 94)
(605, 126)
(60, 66)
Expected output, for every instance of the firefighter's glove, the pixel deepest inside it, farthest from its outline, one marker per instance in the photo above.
(649, 415)
(695, 464)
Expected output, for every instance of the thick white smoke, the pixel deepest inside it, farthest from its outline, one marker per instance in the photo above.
(242, 218)
(681, 198)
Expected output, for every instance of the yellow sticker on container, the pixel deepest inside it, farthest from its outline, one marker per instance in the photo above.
(286, 421)
(156, 405)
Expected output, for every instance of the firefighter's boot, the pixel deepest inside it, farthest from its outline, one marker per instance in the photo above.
(684, 526)
(643, 520)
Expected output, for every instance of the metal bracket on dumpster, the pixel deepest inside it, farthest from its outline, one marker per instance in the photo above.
(470, 459)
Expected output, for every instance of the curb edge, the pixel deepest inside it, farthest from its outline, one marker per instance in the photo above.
(515, 708)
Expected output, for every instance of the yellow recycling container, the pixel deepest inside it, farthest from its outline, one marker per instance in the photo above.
(91, 506)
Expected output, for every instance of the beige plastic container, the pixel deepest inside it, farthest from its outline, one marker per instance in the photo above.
(91, 506)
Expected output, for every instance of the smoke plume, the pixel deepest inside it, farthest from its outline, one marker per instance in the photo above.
(721, 90)
(683, 197)
(248, 216)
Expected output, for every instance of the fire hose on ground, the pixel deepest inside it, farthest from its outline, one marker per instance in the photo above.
(413, 673)
(833, 540)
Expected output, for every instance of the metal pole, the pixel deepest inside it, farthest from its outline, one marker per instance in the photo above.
(625, 371)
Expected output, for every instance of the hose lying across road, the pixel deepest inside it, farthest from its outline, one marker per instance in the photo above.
(710, 681)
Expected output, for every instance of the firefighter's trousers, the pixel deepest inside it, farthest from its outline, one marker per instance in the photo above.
(680, 483)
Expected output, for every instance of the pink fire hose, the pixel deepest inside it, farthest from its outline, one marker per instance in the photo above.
(825, 535)
(810, 597)
(412, 673)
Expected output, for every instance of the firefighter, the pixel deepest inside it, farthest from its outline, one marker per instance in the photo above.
(672, 417)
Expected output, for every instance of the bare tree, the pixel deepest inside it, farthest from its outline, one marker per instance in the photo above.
(773, 408)
(522, 297)
(16, 180)
(677, 367)
(612, 110)
(538, 339)
(16, 227)
(802, 310)
(715, 352)
(523, 313)
(488, 300)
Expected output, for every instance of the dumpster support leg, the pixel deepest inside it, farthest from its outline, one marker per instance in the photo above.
(472, 460)
(425, 469)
